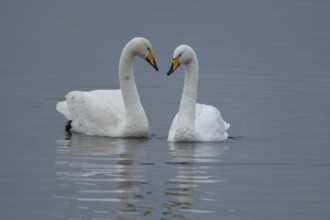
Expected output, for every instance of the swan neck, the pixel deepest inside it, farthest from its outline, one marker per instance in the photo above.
(189, 95)
(127, 83)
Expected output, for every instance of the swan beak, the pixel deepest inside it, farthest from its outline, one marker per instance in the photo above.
(151, 59)
(175, 64)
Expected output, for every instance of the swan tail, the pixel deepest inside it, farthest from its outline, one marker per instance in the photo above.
(227, 125)
(62, 107)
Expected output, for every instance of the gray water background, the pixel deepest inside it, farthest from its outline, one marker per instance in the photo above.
(264, 64)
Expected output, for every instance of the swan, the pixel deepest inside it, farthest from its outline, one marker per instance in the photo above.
(194, 122)
(112, 113)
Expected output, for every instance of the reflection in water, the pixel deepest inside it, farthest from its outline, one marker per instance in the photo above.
(100, 177)
(192, 160)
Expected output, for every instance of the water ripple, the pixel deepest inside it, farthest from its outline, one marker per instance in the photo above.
(193, 163)
(106, 177)
(93, 172)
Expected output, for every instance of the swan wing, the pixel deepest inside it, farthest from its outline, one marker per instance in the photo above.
(111, 97)
(99, 112)
(209, 123)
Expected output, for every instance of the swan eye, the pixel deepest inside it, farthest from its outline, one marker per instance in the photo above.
(149, 48)
(180, 55)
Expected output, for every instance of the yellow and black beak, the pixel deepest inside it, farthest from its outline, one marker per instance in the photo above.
(151, 59)
(175, 64)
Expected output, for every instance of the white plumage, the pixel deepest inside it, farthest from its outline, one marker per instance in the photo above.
(112, 113)
(194, 122)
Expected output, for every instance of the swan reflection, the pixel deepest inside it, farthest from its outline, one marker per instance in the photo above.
(101, 176)
(193, 162)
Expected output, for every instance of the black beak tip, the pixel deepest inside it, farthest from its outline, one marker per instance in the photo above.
(156, 67)
(170, 71)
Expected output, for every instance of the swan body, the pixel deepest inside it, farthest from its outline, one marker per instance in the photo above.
(112, 113)
(194, 122)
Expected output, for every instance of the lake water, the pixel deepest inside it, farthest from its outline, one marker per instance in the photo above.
(264, 64)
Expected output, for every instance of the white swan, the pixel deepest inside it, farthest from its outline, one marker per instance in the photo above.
(194, 122)
(112, 113)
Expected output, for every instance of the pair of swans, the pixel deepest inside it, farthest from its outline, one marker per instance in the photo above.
(120, 114)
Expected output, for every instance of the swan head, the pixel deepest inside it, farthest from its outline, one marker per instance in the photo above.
(142, 48)
(183, 54)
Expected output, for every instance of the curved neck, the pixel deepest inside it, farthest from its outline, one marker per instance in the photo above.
(127, 83)
(189, 95)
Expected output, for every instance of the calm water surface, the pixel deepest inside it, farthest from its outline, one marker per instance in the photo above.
(264, 64)
(118, 178)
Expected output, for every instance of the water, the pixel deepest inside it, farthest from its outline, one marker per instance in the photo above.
(264, 64)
